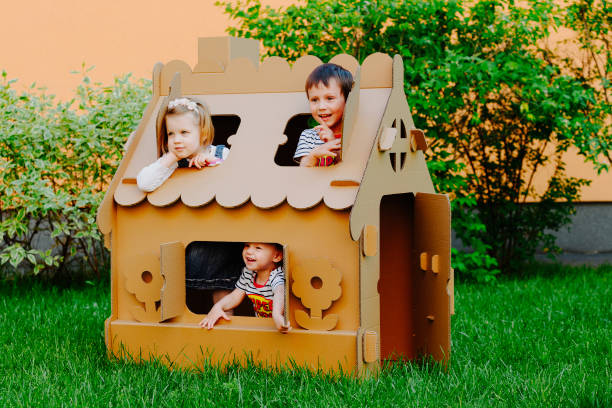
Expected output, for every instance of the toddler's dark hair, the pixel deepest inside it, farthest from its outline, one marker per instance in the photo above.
(323, 73)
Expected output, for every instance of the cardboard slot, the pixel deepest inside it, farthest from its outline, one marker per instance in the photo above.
(344, 183)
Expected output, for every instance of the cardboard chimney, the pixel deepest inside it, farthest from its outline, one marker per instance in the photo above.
(367, 241)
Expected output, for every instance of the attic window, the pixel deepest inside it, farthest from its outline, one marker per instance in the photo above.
(398, 158)
(295, 126)
(225, 126)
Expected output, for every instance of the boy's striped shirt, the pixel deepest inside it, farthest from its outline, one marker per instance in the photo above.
(261, 296)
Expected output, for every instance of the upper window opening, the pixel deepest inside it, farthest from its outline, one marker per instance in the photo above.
(295, 126)
(225, 126)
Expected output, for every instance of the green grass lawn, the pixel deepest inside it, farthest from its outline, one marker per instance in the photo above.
(541, 340)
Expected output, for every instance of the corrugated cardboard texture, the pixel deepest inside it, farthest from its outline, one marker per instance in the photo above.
(373, 215)
(432, 235)
(393, 167)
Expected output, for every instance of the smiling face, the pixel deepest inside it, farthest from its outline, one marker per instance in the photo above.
(183, 134)
(327, 104)
(259, 256)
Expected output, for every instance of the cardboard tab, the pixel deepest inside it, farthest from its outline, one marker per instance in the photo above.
(435, 264)
(370, 240)
(417, 140)
(425, 265)
(387, 138)
(370, 346)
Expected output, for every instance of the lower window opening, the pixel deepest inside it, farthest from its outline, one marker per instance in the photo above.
(213, 270)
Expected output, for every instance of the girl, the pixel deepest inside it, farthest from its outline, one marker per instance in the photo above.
(184, 140)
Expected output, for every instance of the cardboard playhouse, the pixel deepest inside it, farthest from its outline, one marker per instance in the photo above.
(366, 241)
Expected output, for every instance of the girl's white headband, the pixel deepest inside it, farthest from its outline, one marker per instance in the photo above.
(190, 105)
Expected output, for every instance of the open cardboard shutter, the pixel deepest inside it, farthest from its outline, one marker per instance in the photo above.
(173, 272)
(431, 258)
(350, 115)
(287, 282)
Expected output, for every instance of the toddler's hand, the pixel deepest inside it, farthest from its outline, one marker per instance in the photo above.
(325, 133)
(279, 322)
(211, 319)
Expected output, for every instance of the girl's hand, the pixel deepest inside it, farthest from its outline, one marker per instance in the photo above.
(326, 149)
(211, 318)
(168, 159)
(325, 133)
(203, 159)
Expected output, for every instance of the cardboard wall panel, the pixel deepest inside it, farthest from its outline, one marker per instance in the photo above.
(366, 241)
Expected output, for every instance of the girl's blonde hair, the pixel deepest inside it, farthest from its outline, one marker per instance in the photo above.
(186, 105)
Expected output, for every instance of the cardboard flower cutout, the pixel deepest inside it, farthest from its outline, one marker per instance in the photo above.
(317, 284)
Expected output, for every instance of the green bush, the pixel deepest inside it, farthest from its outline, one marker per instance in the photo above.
(56, 161)
(494, 108)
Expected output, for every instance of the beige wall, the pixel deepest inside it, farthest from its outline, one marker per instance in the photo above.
(42, 41)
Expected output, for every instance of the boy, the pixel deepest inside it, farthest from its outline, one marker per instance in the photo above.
(327, 88)
(262, 281)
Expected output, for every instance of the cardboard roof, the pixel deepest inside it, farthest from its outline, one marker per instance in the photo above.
(264, 98)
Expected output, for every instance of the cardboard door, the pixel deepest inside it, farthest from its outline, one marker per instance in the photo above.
(431, 280)
(173, 272)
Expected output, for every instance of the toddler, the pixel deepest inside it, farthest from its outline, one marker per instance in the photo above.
(262, 280)
(327, 88)
(184, 140)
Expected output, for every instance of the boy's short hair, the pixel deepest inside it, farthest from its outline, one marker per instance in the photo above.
(323, 73)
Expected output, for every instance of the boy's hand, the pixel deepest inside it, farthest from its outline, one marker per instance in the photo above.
(326, 149)
(325, 133)
(279, 322)
(211, 319)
